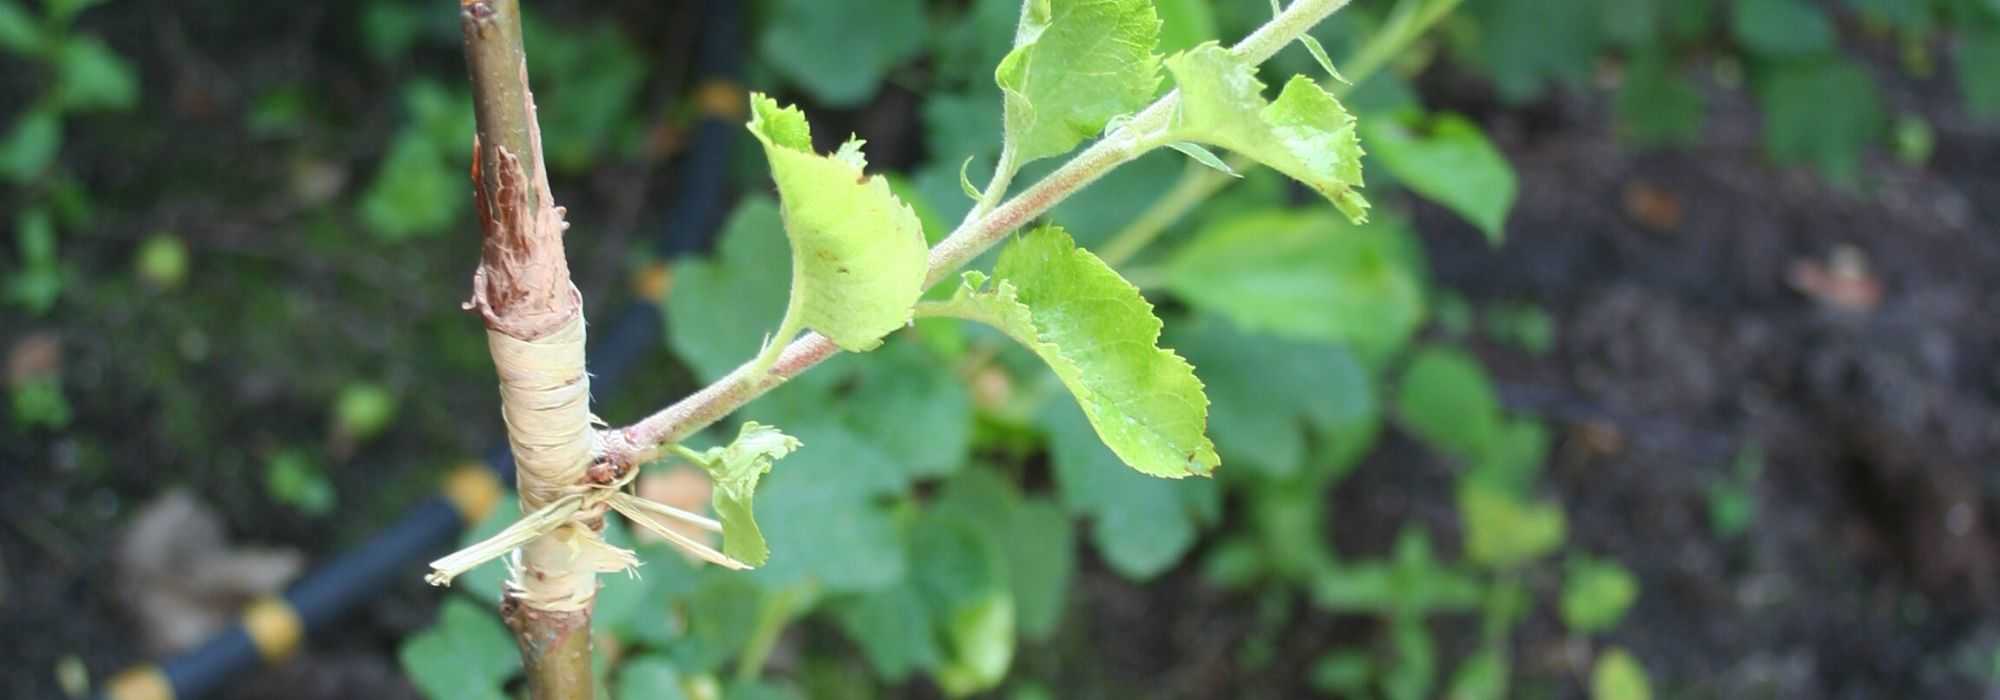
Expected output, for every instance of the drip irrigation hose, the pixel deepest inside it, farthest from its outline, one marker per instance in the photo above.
(271, 628)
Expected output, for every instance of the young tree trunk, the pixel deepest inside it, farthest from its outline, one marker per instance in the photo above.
(534, 322)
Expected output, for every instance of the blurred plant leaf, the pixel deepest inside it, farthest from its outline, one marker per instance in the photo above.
(1978, 52)
(1618, 676)
(1526, 46)
(1780, 28)
(1143, 525)
(1304, 275)
(1656, 105)
(1305, 133)
(39, 402)
(1185, 24)
(292, 477)
(414, 192)
(1504, 531)
(1074, 66)
(1596, 594)
(1821, 114)
(713, 338)
(587, 80)
(31, 144)
(1270, 393)
(1447, 401)
(1448, 160)
(1098, 335)
(467, 654)
(20, 31)
(839, 50)
(1482, 676)
(93, 77)
(649, 678)
(823, 517)
(361, 410)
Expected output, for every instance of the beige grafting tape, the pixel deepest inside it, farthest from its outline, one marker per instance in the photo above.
(545, 399)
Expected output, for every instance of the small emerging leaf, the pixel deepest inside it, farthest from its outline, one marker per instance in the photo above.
(736, 469)
(1319, 54)
(858, 252)
(1075, 65)
(1204, 157)
(1098, 334)
(1305, 133)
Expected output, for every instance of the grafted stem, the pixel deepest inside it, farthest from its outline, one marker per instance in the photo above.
(534, 322)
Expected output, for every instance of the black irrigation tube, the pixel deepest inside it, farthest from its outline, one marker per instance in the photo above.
(272, 627)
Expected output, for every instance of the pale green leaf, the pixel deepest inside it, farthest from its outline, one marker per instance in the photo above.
(1503, 530)
(1448, 160)
(1596, 594)
(840, 50)
(1204, 157)
(1481, 677)
(1305, 275)
(1074, 66)
(467, 654)
(1619, 676)
(1305, 133)
(858, 252)
(1098, 335)
(736, 469)
(415, 192)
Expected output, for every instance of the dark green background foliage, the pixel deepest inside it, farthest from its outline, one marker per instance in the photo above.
(240, 274)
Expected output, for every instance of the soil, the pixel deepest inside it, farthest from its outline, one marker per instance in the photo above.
(1870, 570)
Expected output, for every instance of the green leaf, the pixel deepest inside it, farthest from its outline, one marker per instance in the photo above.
(1781, 27)
(1526, 46)
(1483, 676)
(1074, 66)
(1619, 676)
(1449, 161)
(1305, 275)
(39, 401)
(981, 637)
(362, 410)
(736, 469)
(31, 144)
(587, 81)
(292, 477)
(858, 252)
(840, 50)
(1143, 526)
(1305, 133)
(1185, 23)
(91, 76)
(414, 193)
(20, 31)
(715, 338)
(1033, 535)
(1264, 425)
(1447, 401)
(1596, 594)
(893, 627)
(1978, 52)
(467, 654)
(1656, 105)
(824, 517)
(1098, 335)
(62, 11)
(1504, 531)
(1821, 114)
(649, 678)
